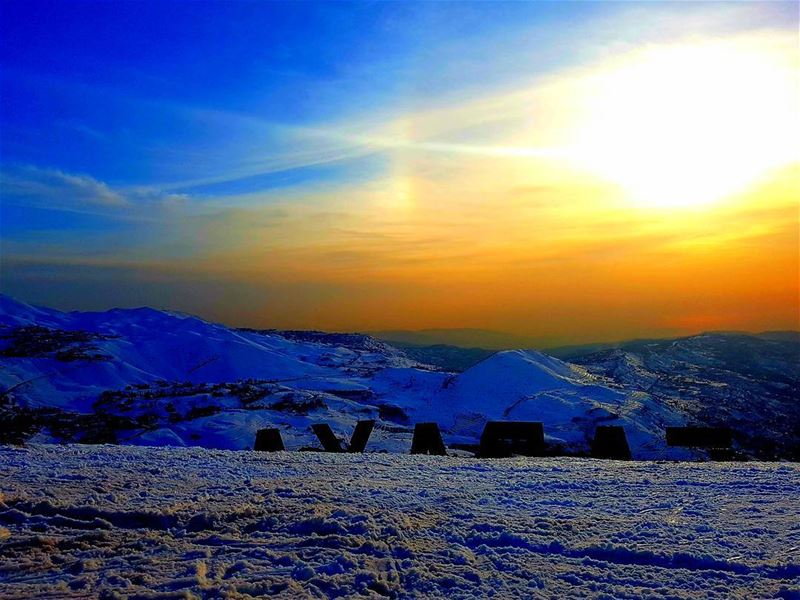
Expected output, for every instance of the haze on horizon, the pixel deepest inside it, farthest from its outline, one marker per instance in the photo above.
(569, 172)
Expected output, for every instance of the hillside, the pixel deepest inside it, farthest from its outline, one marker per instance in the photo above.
(149, 377)
(444, 356)
(748, 382)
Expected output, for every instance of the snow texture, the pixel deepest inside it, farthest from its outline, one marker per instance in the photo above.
(138, 522)
(149, 377)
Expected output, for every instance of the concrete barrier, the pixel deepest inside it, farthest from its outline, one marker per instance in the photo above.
(700, 437)
(427, 440)
(326, 437)
(610, 442)
(360, 437)
(501, 439)
(269, 440)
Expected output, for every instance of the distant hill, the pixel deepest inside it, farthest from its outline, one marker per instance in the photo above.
(465, 338)
(745, 381)
(786, 336)
(574, 351)
(448, 358)
(150, 377)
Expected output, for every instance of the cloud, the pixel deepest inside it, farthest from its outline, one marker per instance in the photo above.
(55, 189)
(475, 221)
(52, 187)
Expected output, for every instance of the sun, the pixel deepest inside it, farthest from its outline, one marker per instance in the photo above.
(686, 126)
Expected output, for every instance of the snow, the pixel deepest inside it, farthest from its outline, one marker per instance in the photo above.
(526, 385)
(139, 522)
(180, 380)
(748, 382)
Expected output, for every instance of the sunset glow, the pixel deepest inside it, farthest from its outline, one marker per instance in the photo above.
(566, 171)
(690, 124)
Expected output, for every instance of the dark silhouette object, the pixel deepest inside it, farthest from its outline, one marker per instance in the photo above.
(17, 426)
(325, 435)
(724, 454)
(610, 442)
(473, 449)
(361, 435)
(427, 440)
(269, 440)
(501, 439)
(700, 437)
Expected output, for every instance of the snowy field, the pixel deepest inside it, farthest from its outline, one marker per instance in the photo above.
(114, 522)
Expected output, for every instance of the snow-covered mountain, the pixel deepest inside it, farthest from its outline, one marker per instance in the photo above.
(143, 376)
(750, 383)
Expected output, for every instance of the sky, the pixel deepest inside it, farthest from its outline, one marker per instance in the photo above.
(563, 171)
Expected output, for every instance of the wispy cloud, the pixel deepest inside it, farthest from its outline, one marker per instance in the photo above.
(480, 208)
(54, 189)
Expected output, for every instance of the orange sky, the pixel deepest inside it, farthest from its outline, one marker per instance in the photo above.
(520, 233)
(596, 276)
(649, 189)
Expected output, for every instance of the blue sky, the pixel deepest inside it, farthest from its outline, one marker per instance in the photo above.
(135, 134)
(138, 93)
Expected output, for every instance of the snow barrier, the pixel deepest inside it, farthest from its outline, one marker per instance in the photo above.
(610, 442)
(501, 439)
(360, 437)
(427, 440)
(326, 437)
(358, 441)
(700, 437)
(269, 440)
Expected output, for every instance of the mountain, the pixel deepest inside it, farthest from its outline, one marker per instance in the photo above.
(525, 385)
(750, 382)
(464, 338)
(149, 377)
(782, 336)
(573, 351)
(444, 356)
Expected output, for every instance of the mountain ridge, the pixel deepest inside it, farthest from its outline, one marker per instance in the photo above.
(163, 378)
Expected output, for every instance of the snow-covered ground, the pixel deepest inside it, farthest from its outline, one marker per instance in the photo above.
(116, 521)
(149, 377)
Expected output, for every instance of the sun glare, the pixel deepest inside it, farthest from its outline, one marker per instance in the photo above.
(687, 126)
